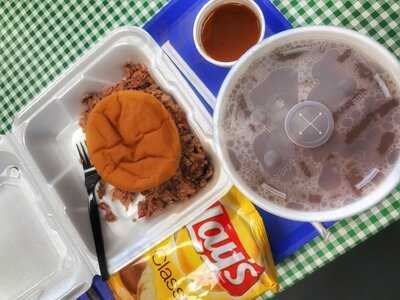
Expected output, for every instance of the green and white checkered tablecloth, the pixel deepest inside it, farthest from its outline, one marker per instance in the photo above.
(41, 38)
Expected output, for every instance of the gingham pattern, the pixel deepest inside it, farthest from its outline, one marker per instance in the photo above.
(39, 39)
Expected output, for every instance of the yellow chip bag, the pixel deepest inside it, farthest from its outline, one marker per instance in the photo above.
(224, 254)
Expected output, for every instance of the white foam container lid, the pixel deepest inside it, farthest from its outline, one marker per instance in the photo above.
(46, 243)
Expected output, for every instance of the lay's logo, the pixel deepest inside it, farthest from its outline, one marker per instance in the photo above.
(215, 238)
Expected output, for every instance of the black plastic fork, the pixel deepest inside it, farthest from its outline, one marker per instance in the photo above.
(91, 180)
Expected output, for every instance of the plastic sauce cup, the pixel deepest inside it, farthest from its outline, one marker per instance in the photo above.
(204, 13)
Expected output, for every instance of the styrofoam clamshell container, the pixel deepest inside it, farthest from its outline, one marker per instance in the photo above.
(47, 249)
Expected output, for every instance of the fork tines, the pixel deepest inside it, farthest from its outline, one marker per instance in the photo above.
(83, 156)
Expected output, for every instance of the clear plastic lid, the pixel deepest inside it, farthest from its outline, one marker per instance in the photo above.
(313, 125)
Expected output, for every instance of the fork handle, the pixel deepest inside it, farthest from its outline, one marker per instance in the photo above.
(97, 235)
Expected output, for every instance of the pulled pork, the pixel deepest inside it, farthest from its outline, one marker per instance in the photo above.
(195, 169)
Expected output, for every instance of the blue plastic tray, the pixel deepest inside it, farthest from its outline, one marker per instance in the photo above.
(174, 23)
(99, 291)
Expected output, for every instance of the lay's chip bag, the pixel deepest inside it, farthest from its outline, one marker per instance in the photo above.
(224, 254)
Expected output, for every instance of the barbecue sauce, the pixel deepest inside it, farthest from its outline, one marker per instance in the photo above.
(229, 31)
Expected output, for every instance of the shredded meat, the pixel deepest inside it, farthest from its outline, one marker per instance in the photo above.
(89, 101)
(108, 213)
(195, 169)
(125, 198)
(101, 191)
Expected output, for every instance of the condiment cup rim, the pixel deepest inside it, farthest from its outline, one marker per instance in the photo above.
(203, 13)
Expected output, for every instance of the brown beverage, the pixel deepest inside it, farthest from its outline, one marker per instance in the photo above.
(229, 31)
(363, 101)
